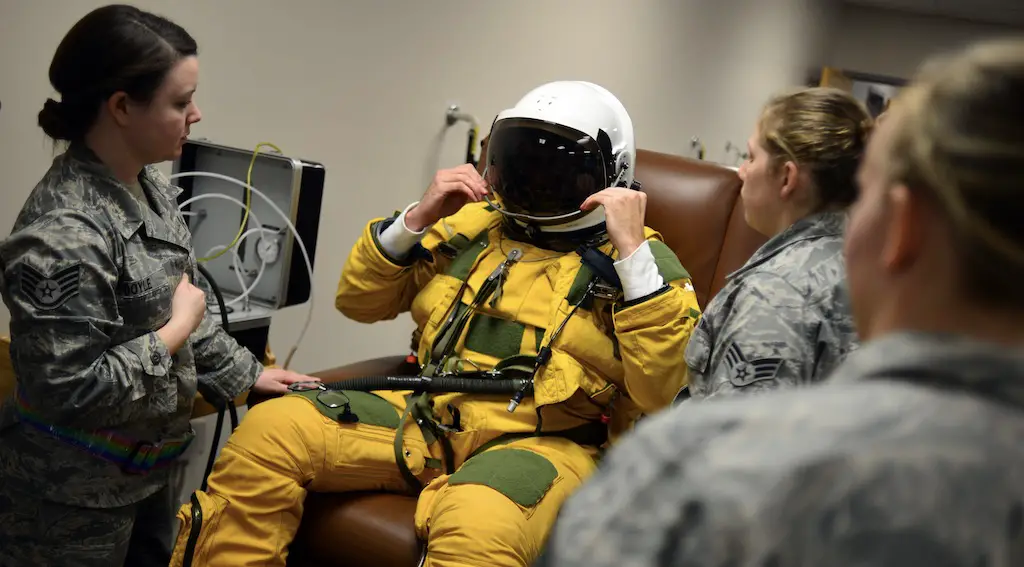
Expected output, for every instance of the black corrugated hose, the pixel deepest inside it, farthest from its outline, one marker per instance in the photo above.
(436, 385)
(222, 405)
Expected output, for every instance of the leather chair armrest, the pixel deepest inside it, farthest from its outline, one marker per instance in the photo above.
(384, 366)
(201, 407)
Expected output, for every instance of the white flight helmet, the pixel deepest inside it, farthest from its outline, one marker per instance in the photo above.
(561, 143)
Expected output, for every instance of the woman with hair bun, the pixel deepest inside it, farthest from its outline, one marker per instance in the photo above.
(109, 337)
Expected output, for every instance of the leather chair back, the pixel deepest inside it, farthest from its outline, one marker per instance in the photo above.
(695, 205)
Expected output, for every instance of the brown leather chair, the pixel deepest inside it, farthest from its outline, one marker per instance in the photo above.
(696, 207)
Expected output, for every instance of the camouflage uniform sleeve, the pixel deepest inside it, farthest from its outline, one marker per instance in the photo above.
(768, 339)
(223, 365)
(59, 281)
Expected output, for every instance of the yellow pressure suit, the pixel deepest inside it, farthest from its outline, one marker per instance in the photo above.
(492, 480)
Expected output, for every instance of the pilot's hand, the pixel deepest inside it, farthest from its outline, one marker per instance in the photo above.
(624, 211)
(449, 192)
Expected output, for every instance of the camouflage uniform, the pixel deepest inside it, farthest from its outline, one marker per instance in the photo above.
(89, 272)
(782, 319)
(910, 455)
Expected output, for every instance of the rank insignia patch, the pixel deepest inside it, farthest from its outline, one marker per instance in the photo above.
(48, 292)
(743, 372)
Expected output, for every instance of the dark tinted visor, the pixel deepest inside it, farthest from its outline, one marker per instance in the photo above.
(542, 169)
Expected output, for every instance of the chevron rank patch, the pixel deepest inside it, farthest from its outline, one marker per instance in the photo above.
(49, 291)
(744, 372)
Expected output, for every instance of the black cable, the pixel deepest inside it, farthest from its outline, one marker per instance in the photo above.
(213, 450)
(225, 404)
(217, 311)
(435, 385)
(221, 304)
(471, 146)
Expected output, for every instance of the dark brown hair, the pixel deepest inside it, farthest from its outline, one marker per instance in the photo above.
(824, 130)
(111, 49)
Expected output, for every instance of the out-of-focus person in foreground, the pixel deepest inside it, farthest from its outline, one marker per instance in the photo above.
(911, 453)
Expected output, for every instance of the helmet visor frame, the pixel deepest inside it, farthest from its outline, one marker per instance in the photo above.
(542, 172)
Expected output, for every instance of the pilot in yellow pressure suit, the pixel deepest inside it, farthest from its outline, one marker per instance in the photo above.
(549, 318)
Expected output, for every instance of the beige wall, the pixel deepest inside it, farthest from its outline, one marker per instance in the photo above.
(884, 42)
(362, 86)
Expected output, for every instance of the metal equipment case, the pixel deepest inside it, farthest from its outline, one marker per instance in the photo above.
(296, 187)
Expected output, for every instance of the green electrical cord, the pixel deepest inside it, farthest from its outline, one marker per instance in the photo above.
(248, 201)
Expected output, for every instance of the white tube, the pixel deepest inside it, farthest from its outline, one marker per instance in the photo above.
(245, 290)
(221, 196)
(237, 261)
(295, 232)
(238, 271)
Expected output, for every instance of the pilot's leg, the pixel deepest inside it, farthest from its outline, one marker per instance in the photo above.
(252, 508)
(498, 508)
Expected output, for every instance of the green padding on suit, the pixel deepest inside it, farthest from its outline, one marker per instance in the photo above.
(523, 476)
(366, 408)
(467, 254)
(579, 285)
(496, 337)
(668, 264)
(459, 241)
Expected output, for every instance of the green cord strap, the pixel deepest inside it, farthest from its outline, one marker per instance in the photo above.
(418, 407)
(410, 479)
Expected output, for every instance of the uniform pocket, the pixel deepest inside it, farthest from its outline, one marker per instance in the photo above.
(197, 522)
(431, 303)
(370, 450)
(144, 302)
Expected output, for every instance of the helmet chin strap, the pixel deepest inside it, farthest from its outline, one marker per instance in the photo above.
(588, 228)
(566, 237)
(589, 219)
(527, 218)
(569, 241)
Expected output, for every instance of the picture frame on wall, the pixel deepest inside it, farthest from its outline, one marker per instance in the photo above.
(875, 91)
